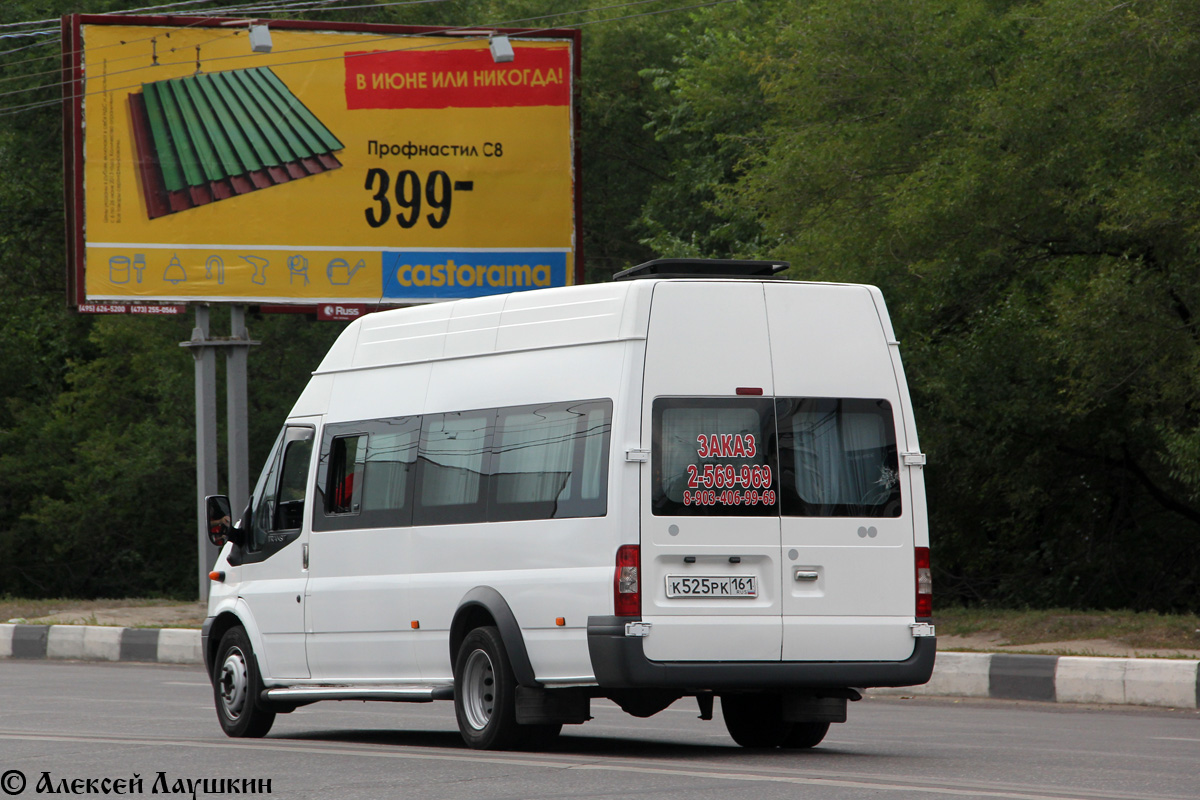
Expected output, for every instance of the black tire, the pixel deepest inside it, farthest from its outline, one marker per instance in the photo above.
(485, 692)
(805, 735)
(237, 687)
(541, 737)
(755, 720)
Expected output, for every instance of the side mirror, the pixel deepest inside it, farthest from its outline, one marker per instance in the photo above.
(220, 523)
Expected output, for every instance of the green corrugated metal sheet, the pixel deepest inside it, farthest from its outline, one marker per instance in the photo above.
(215, 135)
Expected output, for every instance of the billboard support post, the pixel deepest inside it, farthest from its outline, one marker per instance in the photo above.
(236, 409)
(204, 349)
(206, 439)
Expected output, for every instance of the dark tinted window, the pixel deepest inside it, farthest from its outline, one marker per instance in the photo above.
(712, 457)
(343, 494)
(837, 458)
(524, 462)
(452, 467)
(278, 500)
(365, 477)
(550, 461)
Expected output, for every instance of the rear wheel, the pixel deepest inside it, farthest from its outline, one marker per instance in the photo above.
(540, 737)
(485, 693)
(806, 734)
(755, 720)
(237, 686)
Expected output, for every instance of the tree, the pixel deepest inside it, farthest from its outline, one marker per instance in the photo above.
(710, 108)
(97, 469)
(1020, 178)
(97, 453)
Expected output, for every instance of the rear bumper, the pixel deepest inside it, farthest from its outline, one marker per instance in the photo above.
(619, 663)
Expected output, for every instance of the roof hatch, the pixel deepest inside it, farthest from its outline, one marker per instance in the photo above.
(702, 268)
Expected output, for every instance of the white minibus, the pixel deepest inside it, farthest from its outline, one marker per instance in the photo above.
(698, 480)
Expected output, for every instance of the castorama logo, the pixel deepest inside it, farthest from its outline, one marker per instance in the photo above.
(446, 274)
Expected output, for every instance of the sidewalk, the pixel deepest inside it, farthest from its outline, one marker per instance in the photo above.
(1170, 683)
(101, 643)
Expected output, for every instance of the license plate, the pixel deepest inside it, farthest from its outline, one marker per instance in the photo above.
(723, 586)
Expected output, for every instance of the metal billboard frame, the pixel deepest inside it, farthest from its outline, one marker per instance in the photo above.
(73, 111)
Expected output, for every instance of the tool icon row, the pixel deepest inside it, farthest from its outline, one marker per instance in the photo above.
(338, 272)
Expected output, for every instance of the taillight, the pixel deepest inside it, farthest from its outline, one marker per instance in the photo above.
(924, 583)
(627, 594)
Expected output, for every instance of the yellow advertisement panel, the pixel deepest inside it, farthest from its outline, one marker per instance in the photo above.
(342, 166)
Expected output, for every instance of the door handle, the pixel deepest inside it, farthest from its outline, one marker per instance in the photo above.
(805, 575)
(304, 557)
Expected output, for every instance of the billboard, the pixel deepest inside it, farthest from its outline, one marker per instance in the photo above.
(349, 165)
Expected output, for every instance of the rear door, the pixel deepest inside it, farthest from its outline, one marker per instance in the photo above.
(710, 556)
(847, 569)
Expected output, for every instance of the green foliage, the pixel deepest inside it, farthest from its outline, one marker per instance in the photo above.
(711, 107)
(94, 476)
(1020, 178)
(1021, 181)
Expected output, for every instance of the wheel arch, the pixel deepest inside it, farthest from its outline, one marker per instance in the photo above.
(482, 606)
(231, 617)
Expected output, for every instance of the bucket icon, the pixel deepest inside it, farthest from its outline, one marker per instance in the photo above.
(118, 269)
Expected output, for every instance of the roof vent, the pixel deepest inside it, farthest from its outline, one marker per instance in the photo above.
(702, 268)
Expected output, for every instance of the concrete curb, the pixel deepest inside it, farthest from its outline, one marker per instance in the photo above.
(1167, 683)
(100, 643)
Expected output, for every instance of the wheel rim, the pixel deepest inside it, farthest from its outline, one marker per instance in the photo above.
(479, 689)
(234, 683)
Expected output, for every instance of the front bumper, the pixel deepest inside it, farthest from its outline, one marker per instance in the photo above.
(205, 633)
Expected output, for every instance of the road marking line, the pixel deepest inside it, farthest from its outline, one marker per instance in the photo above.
(606, 764)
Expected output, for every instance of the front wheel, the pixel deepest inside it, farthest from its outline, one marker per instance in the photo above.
(485, 692)
(237, 686)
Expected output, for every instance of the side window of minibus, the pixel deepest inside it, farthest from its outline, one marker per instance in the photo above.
(278, 502)
(293, 480)
(262, 502)
(347, 458)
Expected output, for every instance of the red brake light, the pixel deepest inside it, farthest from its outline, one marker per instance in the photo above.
(924, 583)
(627, 593)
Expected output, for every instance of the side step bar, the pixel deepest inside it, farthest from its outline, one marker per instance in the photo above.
(394, 694)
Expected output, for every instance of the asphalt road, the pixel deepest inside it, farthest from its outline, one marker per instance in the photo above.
(62, 724)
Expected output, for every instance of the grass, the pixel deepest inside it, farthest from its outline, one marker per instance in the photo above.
(1139, 629)
(83, 612)
(1143, 630)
